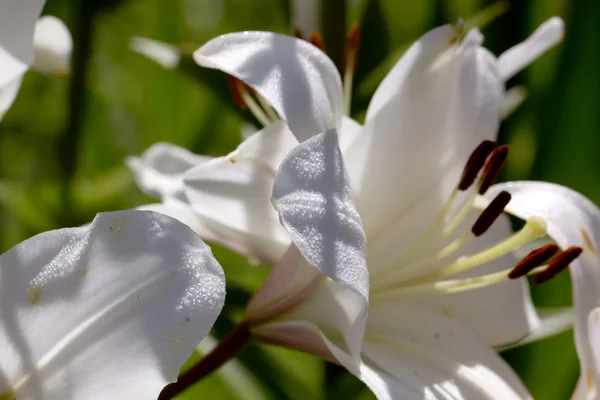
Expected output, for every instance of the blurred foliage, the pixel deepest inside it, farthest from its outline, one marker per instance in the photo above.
(63, 143)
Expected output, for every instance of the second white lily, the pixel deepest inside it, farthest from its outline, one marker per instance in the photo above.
(398, 324)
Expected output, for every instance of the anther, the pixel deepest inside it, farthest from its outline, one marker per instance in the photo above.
(533, 260)
(316, 39)
(236, 88)
(475, 162)
(298, 33)
(558, 264)
(350, 56)
(491, 213)
(492, 168)
(351, 47)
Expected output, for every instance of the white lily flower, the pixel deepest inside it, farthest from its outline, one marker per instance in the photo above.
(111, 310)
(573, 222)
(25, 40)
(413, 323)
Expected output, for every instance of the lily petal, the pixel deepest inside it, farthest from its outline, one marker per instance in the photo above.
(572, 220)
(553, 322)
(313, 196)
(432, 357)
(233, 193)
(296, 78)
(159, 171)
(16, 37)
(109, 310)
(518, 57)
(418, 354)
(447, 105)
(420, 55)
(53, 46)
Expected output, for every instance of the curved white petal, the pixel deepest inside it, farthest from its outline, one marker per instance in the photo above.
(553, 321)
(416, 354)
(107, 311)
(159, 171)
(233, 193)
(313, 196)
(8, 94)
(419, 56)
(518, 57)
(268, 146)
(296, 78)
(18, 20)
(572, 220)
(410, 155)
(164, 54)
(53, 46)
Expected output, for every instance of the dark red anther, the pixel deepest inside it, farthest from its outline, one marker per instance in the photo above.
(352, 46)
(558, 264)
(492, 168)
(475, 162)
(316, 39)
(236, 86)
(533, 260)
(491, 213)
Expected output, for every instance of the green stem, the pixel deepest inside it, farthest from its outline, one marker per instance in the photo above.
(227, 348)
(82, 29)
(333, 25)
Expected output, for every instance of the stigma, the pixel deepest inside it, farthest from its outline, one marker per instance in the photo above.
(421, 271)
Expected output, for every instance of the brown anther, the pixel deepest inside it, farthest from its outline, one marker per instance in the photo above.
(351, 47)
(316, 39)
(558, 264)
(236, 86)
(533, 260)
(492, 168)
(475, 162)
(298, 33)
(491, 213)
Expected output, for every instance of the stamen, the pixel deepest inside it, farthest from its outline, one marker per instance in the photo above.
(491, 213)
(459, 31)
(271, 114)
(350, 56)
(234, 85)
(245, 100)
(492, 168)
(533, 229)
(316, 39)
(558, 264)
(475, 163)
(533, 260)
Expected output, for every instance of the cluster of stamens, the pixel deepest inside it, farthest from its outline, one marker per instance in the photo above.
(424, 275)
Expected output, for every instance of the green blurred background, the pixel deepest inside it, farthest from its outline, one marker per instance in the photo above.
(63, 143)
